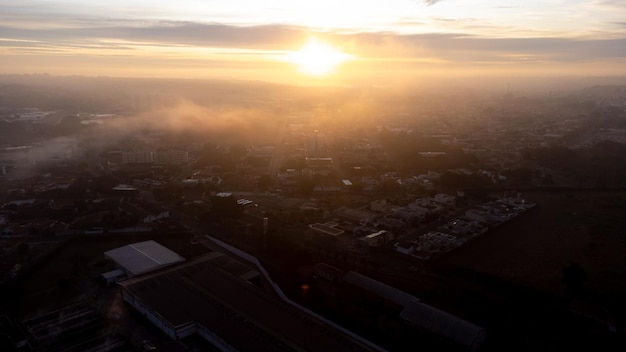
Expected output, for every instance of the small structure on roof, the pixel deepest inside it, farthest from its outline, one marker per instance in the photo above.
(112, 276)
(143, 257)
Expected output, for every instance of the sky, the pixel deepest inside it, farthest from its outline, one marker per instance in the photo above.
(254, 39)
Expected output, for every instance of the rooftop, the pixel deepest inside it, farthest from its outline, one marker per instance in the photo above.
(204, 292)
(143, 257)
(393, 294)
(445, 324)
(326, 229)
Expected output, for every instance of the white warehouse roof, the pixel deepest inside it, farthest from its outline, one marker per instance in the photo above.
(142, 257)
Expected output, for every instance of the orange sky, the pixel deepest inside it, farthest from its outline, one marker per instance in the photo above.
(242, 39)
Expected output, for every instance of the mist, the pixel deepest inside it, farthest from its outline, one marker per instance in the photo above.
(186, 118)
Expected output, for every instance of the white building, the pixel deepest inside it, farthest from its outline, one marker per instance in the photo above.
(376, 239)
(404, 247)
(143, 257)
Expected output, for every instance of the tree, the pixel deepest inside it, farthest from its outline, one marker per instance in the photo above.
(225, 207)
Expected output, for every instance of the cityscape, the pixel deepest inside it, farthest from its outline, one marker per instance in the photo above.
(366, 199)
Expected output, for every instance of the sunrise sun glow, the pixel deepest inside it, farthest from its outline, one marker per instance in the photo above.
(317, 58)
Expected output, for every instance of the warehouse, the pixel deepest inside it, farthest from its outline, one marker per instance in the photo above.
(213, 297)
(142, 257)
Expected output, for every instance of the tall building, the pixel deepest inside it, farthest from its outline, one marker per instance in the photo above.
(316, 145)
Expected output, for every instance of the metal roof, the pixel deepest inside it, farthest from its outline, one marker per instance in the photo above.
(444, 324)
(113, 274)
(142, 257)
(205, 291)
(391, 293)
(329, 230)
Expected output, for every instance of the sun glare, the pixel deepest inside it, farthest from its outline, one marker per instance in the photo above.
(318, 58)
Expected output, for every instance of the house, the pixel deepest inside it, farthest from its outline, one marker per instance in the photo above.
(444, 199)
(404, 247)
(407, 215)
(146, 212)
(380, 206)
(422, 211)
(376, 239)
(326, 229)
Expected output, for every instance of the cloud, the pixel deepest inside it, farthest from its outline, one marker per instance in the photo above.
(430, 2)
(235, 40)
(612, 3)
(243, 41)
(466, 48)
(230, 49)
(184, 33)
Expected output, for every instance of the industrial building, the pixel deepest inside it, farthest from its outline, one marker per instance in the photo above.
(217, 297)
(398, 310)
(77, 327)
(142, 257)
(446, 325)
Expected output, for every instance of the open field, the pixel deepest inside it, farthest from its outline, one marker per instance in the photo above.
(584, 227)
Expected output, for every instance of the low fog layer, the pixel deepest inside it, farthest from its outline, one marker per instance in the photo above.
(235, 125)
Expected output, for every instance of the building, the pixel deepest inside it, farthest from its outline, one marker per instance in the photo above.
(215, 297)
(380, 206)
(77, 327)
(328, 229)
(320, 165)
(143, 257)
(355, 215)
(155, 157)
(137, 157)
(404, 247)
(404, 314)
(376, 239)
(391, 294)
(328, 272)
(146, 212)
(437, 322)
(11, 157)
(316, 144)
(126, 190)
(171, 157)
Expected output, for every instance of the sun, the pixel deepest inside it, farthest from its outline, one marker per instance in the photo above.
(317, 58)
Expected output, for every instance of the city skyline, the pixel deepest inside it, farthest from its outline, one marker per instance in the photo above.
(241, 39)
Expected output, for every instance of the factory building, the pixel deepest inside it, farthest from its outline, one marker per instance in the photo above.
(222, 300)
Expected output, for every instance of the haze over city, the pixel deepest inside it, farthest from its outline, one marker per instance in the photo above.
(432, 175)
